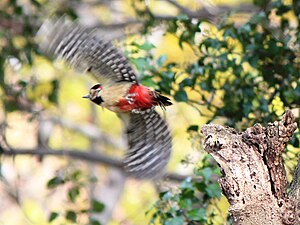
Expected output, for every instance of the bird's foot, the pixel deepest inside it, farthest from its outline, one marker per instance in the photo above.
(130, 98)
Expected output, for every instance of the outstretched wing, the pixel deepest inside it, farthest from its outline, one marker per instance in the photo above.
(150, 145)
(82, 48)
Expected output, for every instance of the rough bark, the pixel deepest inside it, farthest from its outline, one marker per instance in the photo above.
(254, 179)
(295, 189)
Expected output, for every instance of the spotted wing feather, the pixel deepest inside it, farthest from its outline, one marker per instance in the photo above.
(150, 145)
(84, 50)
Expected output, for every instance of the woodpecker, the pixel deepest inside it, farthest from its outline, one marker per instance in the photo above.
(149, 138)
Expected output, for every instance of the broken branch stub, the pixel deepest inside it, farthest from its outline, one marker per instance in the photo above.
(254, 179)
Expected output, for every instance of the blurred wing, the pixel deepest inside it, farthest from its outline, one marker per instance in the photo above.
(150, 145)
(82, 48)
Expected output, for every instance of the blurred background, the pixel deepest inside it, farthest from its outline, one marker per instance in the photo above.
(227, 62)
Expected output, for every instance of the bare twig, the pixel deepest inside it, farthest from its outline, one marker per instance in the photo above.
(82, 155)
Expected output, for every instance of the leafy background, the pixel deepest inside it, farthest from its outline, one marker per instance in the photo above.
(228, 62)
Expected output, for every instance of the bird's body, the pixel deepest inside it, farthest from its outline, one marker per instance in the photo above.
(126, 97)
(149, 139)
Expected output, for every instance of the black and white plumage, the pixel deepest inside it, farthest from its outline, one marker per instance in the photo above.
(150, 145)
(148, 135)
(82, 48)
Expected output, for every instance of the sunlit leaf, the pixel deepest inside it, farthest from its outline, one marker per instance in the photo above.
(147, 46)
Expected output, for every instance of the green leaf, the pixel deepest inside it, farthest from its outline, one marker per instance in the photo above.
(213, 190)
(184, 37)
(185, 203)
(187, 184)
(201, 186)
(97, 206)
(23, 83)
(161, 60)
(193, 128)
(93, 179)
(71, 216)
(76, 175)
(197, 214)
(258, 18)
(73, 193)
(172, 26)
(36, 3)
(53, 97)
(283, 9)
(174, 221)
(261, 3)
(147, 81)
(19, 10)
(206, 173)
(147, 46)
(245, 29)
(166, 195)
(94, 222)
(140, 63)
(187, 82)
(181, 96)
(52, 216)
(55, 181)
(182, 17)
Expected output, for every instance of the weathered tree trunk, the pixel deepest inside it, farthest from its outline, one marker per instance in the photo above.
(254, 179)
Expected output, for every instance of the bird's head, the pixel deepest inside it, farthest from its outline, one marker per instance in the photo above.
(95, 94)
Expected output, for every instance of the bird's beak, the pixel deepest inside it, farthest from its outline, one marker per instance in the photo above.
(86, 96)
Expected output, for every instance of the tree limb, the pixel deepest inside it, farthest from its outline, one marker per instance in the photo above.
(214, 14)
(202, 13)
(181, 8)
(254, 179)
(82, 155)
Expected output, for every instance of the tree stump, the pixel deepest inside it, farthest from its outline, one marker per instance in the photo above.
(254, 179)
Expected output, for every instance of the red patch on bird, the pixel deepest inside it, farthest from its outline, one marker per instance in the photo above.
(141, 96)
(144, 98)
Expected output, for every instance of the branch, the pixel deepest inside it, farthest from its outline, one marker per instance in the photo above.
(202, 13)
(254, 179)
(181, 8)
(82, 155)
(214, 14)
(72, 153)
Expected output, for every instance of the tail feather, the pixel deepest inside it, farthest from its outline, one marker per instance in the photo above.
(161, 100)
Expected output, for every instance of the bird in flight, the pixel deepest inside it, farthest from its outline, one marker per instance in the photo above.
(148, 135)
